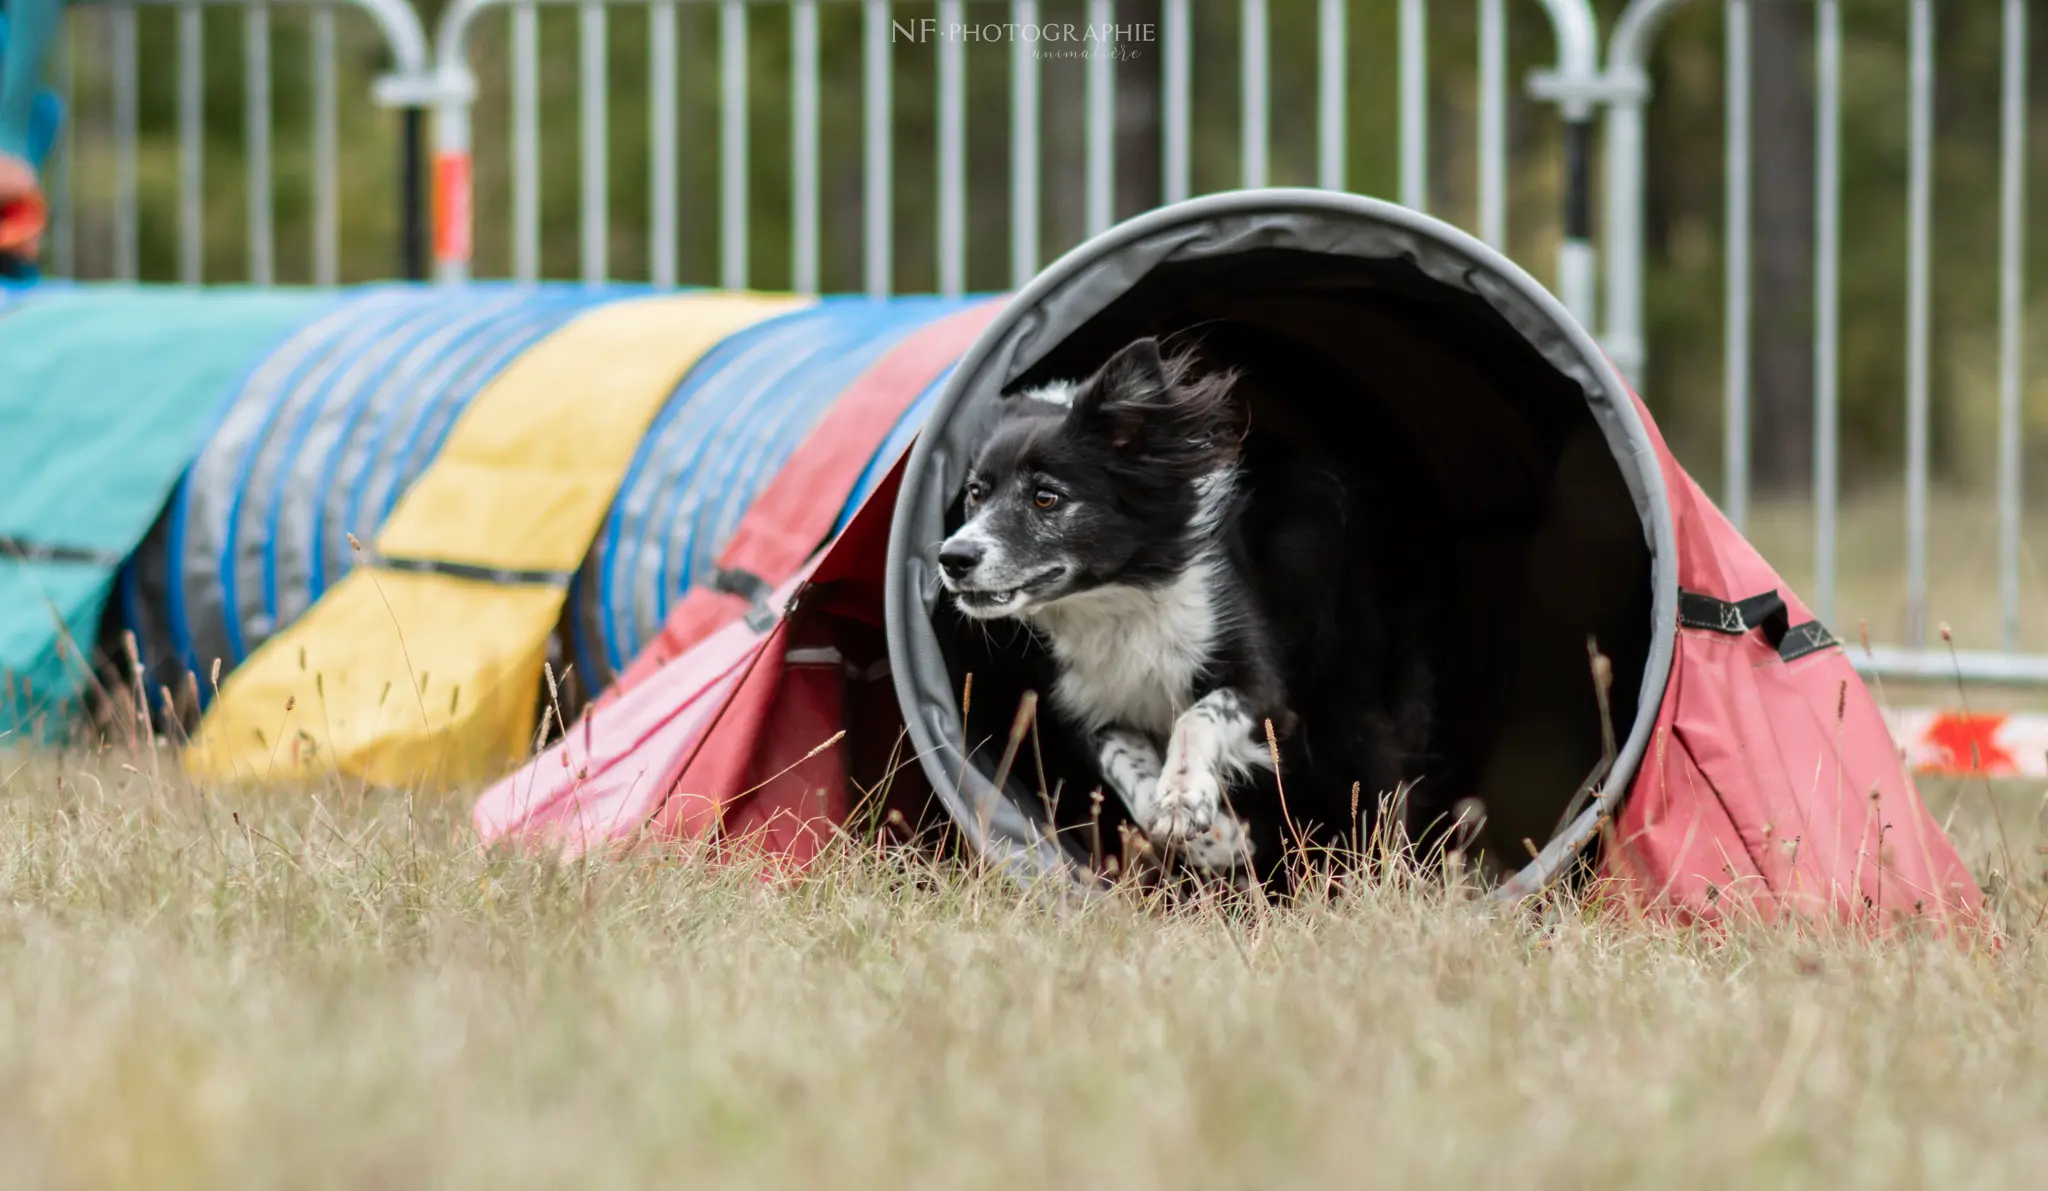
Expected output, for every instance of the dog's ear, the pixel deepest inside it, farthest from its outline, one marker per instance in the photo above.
(1125, 390)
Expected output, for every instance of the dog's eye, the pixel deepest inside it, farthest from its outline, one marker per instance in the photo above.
(975, 491)
(1045, 498)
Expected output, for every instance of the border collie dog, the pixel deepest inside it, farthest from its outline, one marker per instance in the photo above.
(1196, 578)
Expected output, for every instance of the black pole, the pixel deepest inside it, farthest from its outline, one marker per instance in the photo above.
(1578, 180)
(412, 231)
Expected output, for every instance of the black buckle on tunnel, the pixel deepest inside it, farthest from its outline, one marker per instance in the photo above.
(745, 584)
(1765, 613)
(751, 588)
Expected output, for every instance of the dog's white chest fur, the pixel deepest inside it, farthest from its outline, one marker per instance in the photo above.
(1131, 657)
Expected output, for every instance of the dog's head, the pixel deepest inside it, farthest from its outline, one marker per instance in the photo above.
(1119, 480)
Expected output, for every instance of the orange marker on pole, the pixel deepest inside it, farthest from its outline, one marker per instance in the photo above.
(22, 221)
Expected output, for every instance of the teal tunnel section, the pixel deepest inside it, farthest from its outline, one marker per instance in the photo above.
(317, 445)
(105, 394)
(717, 443)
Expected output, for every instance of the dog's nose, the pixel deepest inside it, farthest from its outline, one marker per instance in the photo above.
(960, 558)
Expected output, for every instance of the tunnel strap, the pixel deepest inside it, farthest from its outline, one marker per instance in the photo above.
(16, 549)
(751, 588)
(509, 576)
(1802, 639)
(1765, 613)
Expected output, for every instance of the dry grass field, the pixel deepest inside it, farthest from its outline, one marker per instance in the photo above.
(334, 989)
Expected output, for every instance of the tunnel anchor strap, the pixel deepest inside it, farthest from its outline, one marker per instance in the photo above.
(1766, 613)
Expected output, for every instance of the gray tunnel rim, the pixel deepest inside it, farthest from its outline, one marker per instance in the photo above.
(1614, 409)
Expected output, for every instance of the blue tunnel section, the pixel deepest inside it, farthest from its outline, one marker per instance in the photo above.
(316, 445)
(717, 443)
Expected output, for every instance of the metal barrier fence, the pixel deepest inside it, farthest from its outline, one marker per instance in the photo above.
(947, 28)
(1625, 90)
(1583, 85)
(98, 69)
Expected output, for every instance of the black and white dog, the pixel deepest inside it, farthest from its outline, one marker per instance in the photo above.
(1197, 576)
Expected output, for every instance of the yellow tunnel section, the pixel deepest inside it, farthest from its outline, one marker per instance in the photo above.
(421, 666)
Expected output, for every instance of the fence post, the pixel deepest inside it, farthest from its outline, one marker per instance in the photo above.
(1574, 85)
(409, 87)
(412, 95)
(451, 90)
(1626, 87)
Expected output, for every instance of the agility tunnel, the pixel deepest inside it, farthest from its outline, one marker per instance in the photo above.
(536, 484)
(1747, 764)
(410, 530)
(268, 441)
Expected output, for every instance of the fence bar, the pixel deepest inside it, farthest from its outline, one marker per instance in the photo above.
(1177, 43)
(1493, 124)
(2012, 279)
(525, 141)
(803, 147)
(879, 160)
(1940, 666)
(1827, 207)
(592, 90)
(1101, 114)
(732, 144)
(1331, 84)
(63, 212)
(1024, 147)
(256, 68)
(1414, 41)
(1919, 215)
(1736, 342)
(952, 152)
(1253, 92)
(326, 153)
(127, 252)
(661, 147)
(191, 143)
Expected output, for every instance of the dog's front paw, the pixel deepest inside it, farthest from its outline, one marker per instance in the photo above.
(1225, 846)
(1187, 803)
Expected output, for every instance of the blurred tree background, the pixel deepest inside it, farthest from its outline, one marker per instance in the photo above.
(1683, 377)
